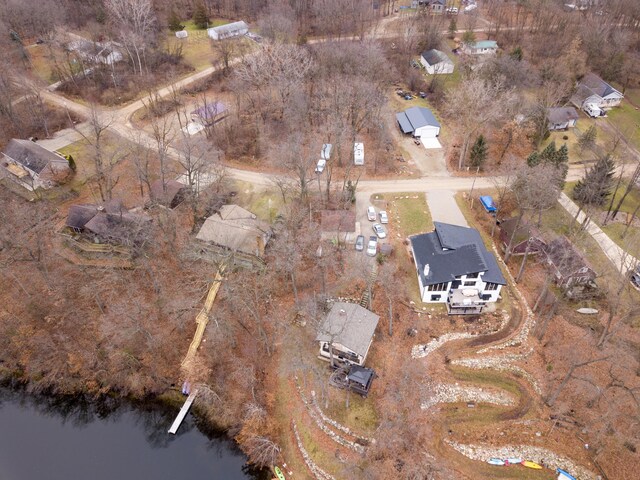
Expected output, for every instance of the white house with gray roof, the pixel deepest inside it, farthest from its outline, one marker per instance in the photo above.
(436, 62)
(455, 268)
(592, 90)
(228, 30)
(347, 333)
(419, 122)
(482, 47)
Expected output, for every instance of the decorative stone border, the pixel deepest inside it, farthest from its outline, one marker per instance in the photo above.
(421, 351)
(537, 454)
(451, 393)
(317, 472)
(338, 426)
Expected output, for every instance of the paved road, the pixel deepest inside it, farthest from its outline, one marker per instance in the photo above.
(620, 259)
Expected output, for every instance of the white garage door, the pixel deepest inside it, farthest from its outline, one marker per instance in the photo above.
(430, 142)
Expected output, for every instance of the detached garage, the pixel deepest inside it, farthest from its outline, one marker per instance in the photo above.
(419, 122)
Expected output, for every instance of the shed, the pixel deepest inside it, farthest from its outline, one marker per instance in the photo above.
(338, 225)
(209, 113)
(525, 234)
(182, 34)
(171, 195)
(436, 62)
(561, 118)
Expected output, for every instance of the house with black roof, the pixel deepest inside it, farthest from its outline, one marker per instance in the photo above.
(592, 90)
(436, 62)
(455, 268)
(32, 165)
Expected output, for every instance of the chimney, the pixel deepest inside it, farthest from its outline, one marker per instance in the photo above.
(426, 270)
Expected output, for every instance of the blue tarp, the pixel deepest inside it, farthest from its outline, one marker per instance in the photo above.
(487, 203)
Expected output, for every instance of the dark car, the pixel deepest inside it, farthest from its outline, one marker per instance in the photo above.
(423, 95)
(360, 243)
(408, 97)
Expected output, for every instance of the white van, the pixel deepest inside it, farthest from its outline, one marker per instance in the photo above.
(358, 153)
(326, 151)
(592, 110)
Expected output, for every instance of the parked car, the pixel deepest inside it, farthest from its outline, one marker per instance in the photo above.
(320, 166)
(408, 97)
(423, 95)
(453, 10)
(360, 243)
(416, 141)
(383, 217)
(372, 246)
(371, 213)
(379, 230)
(634, 276)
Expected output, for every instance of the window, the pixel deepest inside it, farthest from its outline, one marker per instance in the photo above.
(491, 286)
(437, 287)
(472, 275)
(435, 298)
(469, 284)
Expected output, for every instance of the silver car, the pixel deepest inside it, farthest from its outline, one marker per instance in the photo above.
(372, 246)
(371, 213)
(360, 243)
(379, 230)
(384, 218)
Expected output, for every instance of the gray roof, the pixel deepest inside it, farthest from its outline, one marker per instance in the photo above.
(230, 27)
(597, 85)
(237, 229)
(433, 57)
(416, 117)
(581, 94)
(350, 325)
(561, 115)
(451, 251)
(31, 155)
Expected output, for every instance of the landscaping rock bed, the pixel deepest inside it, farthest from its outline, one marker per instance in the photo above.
(452, 393)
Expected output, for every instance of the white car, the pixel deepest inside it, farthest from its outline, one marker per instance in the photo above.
(371, 214)
(379, 230)
(383, 217)
(320, 166)
(372, 246)
(452, 10)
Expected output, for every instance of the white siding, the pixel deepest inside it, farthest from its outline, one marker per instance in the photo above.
(428, 131)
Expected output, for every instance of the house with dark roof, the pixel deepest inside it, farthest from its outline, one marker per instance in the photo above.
(96, 52)
(346, 333)
(455, 268)
(525, 234)
(592, 90)
(436, 62)
(171, 194)
(419, 122)
(32, 165)
(561, 118)
(482, 47)
(570, 269)
(338, 225)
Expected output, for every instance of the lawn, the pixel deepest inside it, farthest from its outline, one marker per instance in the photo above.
(626, 118)
(265, 203)
(408, 212)
(603, 140)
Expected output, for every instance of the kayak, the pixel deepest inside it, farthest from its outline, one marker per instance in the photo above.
(530, 464)
(564, 475)
(587, 311)
(495, 461)
(513, 461)
(279, 473)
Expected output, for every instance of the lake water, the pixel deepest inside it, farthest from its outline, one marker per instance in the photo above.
(48, 438)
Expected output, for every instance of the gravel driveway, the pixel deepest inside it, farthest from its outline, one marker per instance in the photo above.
(444, 208)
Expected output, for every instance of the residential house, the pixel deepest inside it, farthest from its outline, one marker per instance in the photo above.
(561, 118)
(105, 53)
(110, 222)
(172, 194)
(236, 230)
(419, 122)
(455, 268)
(482, 47)
(347, 333)
(33, 166)
(435, 6)
(592, 90)
(229, 30)
(209, 113)
(338, 225)
(525, 234)
(436, 62)
(570, 269)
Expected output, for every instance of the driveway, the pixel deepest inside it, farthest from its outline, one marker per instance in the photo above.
(444, 208)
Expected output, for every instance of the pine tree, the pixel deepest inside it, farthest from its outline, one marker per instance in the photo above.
(548, 153)
(468, 37)
(201, 16)
(516, 54)
(597, 183)
(588, 138)
(533, 159)
(174, 21)
(453, 26)
(479, 152)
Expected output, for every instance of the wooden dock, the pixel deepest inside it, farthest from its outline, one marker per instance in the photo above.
(183, 412)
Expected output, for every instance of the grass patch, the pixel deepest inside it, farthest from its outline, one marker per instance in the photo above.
(626, 118)
(407, 211)
(265, 203)
(361, 416)
(630, 242)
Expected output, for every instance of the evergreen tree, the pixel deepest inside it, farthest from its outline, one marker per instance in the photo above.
(516, 54)
(201, 16)
(548, 153)
(468, 37)
(597, 183)
(588, 138)
(479, 152)
(174, 21)
(533, 159)
(453, 26)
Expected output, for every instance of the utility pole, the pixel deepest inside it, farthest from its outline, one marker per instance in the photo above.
(473, 185)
